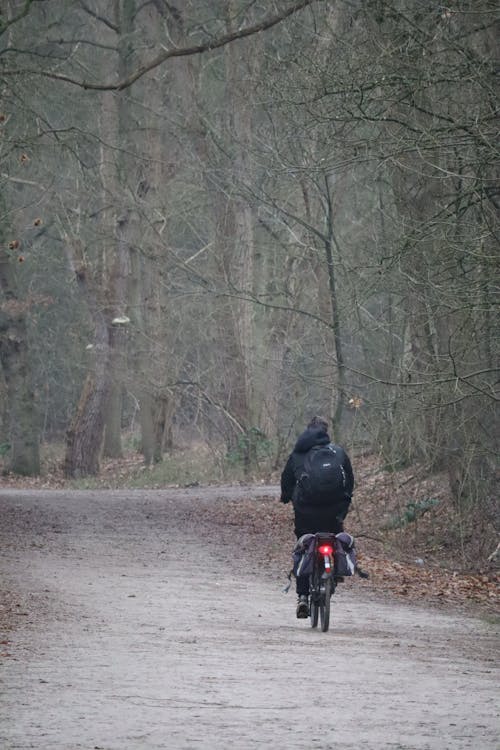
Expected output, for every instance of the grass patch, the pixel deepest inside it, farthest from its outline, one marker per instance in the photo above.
(412, 512)
(187, 468)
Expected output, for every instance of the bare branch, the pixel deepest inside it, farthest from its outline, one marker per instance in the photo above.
(170, 53)
(4, 25)
(98, 17)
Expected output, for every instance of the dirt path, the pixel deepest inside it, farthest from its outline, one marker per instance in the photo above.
(126, 637)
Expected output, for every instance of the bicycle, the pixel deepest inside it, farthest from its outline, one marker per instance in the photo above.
(322, 581)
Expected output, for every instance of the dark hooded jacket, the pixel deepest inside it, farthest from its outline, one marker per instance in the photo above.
(311, 437)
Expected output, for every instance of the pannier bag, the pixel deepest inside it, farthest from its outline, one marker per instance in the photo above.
(344, 558)
(303, 555)
(345, 555)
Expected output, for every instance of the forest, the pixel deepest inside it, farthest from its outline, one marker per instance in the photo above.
(220, 217)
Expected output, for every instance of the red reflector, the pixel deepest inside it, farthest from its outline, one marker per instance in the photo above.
(325, 549)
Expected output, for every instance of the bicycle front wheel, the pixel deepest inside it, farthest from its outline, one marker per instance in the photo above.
(324, 605)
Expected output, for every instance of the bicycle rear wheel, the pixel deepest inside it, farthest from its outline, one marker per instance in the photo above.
(324, 605)
(314, 599)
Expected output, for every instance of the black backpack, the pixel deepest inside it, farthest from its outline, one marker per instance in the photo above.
(322, 479)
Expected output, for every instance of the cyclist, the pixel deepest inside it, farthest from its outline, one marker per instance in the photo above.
(311, 517)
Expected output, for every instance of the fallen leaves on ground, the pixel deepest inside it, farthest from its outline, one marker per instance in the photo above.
(264, 529)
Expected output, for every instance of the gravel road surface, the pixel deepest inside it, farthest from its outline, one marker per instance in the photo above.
(130, 622)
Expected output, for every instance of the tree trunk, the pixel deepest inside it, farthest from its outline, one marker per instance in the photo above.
(14, 357)
(84, 438)
(239, 259)
(163, 426)
(147, 427)
(112, 434)
(330, 246)
(117, 172)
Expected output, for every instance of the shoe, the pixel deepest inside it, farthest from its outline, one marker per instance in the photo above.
(302, 607)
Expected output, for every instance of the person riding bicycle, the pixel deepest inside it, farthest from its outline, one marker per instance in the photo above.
(319, 481)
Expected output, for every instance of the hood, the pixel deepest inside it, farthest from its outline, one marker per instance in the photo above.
(309, 438)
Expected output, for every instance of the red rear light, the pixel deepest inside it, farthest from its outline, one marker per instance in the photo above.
(325, 549)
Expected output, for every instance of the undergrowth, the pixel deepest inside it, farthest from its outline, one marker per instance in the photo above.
(179, 469)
